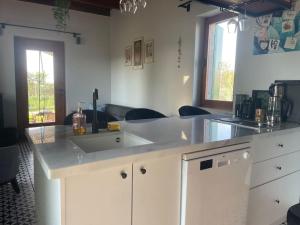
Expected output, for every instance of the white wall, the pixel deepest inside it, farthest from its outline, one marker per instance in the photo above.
(258, 72)
(87, 65)
(160, 85)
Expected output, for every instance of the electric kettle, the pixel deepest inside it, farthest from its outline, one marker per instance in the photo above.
(277, 90)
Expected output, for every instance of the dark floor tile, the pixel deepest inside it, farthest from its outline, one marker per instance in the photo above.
(18, 209)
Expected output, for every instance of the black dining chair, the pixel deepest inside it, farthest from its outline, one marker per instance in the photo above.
(293, 215)
(103, 118)
(142, 114)
(9, 166)
(9, 157)
(192, 111)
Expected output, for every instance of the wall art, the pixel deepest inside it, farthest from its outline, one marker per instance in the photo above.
(149, 51)
(278, 32)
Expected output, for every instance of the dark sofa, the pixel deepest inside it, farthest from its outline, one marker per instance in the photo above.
(117, 111)
(110, 113)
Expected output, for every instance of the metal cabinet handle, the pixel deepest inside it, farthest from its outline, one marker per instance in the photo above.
(280, 145)
(279, 167)
(123, 175)
(143, 170)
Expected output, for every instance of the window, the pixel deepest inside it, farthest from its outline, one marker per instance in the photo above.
(219, 69)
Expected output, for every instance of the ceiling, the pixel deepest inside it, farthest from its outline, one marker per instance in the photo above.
(253, 7)
(99, 7)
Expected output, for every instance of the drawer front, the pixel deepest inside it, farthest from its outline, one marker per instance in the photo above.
(272, 169)
(275, 145)
(269, 203)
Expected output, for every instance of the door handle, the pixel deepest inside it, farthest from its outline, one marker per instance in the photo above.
(143, 170)
(123, 175)
(279, 167)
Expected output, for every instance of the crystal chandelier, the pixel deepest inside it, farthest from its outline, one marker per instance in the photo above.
(131, 6)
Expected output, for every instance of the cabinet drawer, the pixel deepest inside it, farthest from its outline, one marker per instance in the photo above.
(272, 169)
(269, 203)
(276, 145)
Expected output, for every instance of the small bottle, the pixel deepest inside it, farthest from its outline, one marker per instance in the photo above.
(79, 122)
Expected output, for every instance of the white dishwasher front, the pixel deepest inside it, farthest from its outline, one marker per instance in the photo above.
(215, 189)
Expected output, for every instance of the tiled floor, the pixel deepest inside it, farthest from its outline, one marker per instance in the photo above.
(18, 209)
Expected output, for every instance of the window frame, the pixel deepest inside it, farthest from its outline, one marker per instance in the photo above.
(225, 105)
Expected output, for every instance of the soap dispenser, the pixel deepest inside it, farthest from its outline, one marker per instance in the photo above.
(79, 122)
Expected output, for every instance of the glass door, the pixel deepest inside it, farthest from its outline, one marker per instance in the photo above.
(40, 82)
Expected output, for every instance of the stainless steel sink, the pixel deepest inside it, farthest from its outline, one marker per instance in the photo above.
(102, 142)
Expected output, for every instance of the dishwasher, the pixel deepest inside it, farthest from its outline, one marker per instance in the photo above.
(215, 186)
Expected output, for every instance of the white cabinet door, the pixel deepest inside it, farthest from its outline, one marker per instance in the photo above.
(268, 147)
(269, 203)
(100, 198)
(156, 192)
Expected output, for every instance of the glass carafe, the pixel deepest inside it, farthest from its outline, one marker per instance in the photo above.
(274, 111)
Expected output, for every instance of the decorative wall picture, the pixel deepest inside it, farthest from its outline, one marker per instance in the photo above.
(138, 53)
(128, 56)
(149, 51)
(278, 32)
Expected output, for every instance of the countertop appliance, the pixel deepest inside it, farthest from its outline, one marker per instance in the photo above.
(292, 93)
(277, 90)
(1, 112)
(279, 98)
(239, 100)
(215, 188)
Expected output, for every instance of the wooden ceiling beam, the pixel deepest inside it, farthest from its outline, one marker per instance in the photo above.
(112, 4)
(99, 7)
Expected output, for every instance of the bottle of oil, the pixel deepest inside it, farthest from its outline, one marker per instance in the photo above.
(79, 122)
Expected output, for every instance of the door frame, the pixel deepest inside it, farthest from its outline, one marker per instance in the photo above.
(21, 44)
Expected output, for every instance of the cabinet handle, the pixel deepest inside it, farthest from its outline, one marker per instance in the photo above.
(280, 145)
(279, 167)
(143, 170)
(277, 201)
(124, 175)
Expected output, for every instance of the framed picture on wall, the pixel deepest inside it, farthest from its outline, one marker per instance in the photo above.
(138, 53)
(149, 51)
(128, 56)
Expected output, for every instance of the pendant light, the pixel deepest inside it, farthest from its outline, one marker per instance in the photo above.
(132, 6)
(240, 23)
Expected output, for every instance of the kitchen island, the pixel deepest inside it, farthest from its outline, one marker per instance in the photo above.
(133, 185)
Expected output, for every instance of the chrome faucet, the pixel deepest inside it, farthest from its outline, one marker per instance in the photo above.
(95, 117)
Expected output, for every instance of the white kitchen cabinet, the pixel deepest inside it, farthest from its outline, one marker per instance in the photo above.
(156, 191)
(148, 195)
(275, 168)
(100, 198)
(267, 147)
(275, 182)
(269, 203)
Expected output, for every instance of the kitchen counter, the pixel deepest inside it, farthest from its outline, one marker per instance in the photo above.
(60, 157)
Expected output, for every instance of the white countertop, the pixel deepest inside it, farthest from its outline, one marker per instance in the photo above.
(60, 157)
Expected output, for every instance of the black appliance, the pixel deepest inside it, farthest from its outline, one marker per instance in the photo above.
(291, 100)
(1, 112)
(247, 109)
(260, 99)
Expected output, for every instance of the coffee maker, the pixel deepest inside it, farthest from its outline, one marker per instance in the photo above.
(279, 107)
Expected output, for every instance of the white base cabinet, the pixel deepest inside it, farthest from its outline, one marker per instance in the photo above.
(269, 203)
(98, 198)
(140, 193)
(156, 192)
(275, 183)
